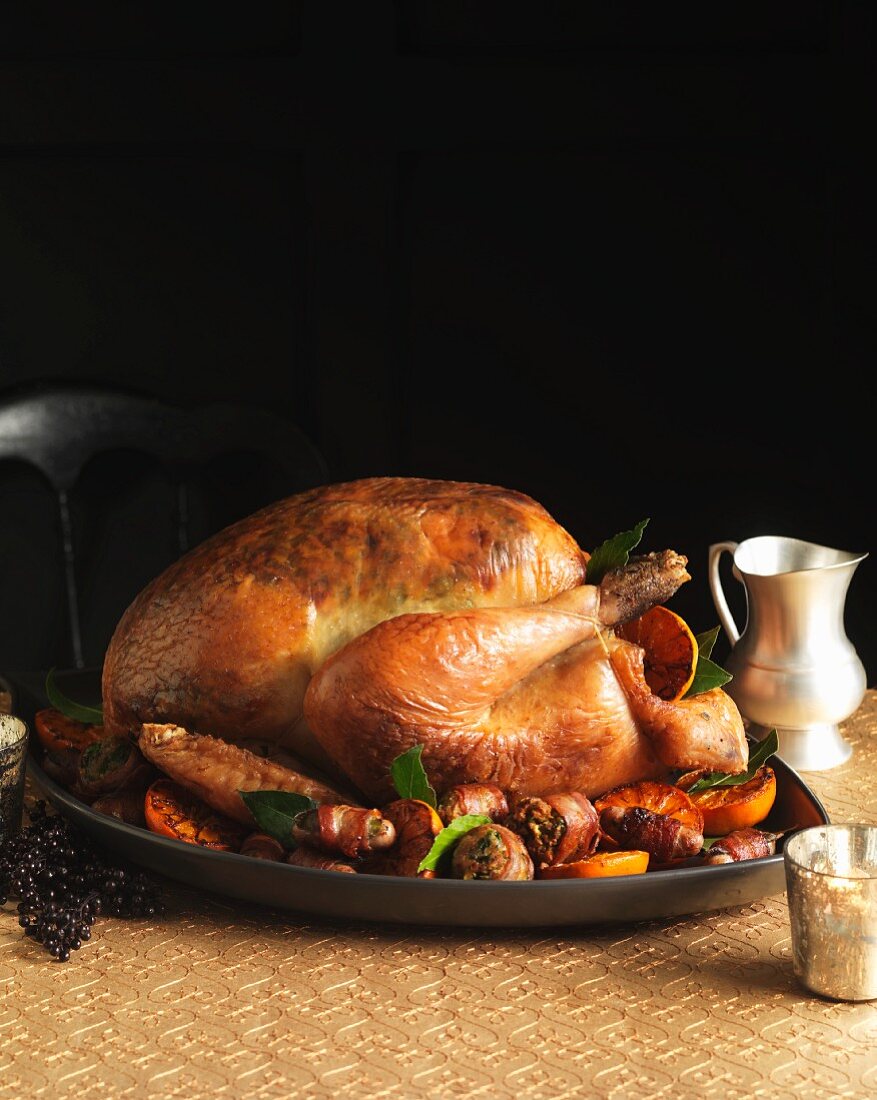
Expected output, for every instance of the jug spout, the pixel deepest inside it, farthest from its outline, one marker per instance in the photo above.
(776, 555)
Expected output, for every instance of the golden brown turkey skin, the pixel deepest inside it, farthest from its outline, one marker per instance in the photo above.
(532, 699)
(217, 771)
(226, 640)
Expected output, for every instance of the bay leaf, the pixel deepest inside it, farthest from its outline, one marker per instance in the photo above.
(79, 712)
(613, 553)
(707, 675)
(275, 811)
(762, 752)
(409, 777)
(448, 838)
(706, 641)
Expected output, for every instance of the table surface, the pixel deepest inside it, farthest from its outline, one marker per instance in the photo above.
(226, 1000)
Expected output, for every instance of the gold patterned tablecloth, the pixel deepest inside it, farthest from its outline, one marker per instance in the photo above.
(222, 1000)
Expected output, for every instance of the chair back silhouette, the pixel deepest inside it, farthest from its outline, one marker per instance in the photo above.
(59, 428)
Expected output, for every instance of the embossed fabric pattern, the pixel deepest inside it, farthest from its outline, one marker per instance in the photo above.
(223, 1000)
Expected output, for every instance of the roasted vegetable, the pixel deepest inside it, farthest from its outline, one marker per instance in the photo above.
(662, 836)
(492, 852)
(343, 830)
(742, 844)
(304, 856)
(472, 798)
(559, 828)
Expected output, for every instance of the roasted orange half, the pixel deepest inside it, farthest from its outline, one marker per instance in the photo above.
(171, 810)
(600, 865)
(660, 798)
(58, 733)
(670, 650)
(725, 809)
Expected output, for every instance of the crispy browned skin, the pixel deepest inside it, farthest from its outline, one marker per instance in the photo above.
(226, 640)
(528, 698)
(215, 770)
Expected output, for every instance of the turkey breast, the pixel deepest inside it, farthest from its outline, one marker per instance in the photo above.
(226, 640)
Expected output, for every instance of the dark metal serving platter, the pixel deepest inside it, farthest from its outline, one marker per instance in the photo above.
(658, 895)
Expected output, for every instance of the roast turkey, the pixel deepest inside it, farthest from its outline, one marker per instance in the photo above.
(226, 640)
(351, 621)
(533, 699)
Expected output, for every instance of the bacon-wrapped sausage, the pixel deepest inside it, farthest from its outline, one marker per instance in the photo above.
(472, 798)
(126, 805)
(62, 765)
(305, 856)
(742, 844)
(559, 828)
(345, 830)
(491, 852)
(263, 846)
(662, 836)
(417, 825)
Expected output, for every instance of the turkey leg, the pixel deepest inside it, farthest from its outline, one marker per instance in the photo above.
(529, 698)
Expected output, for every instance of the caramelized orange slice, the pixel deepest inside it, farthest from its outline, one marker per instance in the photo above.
(600, 865)
(660, 798)
(725, 809)
(670, 649)
(57, 733)
(171, 810)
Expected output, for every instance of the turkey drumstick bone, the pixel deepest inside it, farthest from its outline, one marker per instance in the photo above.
(646, 580)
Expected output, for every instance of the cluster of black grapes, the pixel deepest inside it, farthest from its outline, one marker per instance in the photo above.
(63, 882)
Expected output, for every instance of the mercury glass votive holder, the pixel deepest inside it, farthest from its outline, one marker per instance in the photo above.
(831, 881)
(13, 760)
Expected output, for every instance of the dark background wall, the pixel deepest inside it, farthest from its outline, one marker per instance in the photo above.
(617, 256)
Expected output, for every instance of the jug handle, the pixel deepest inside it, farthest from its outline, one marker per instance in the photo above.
(718, 594)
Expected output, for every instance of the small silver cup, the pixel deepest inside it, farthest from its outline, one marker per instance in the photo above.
(831, 880)
(13, 761)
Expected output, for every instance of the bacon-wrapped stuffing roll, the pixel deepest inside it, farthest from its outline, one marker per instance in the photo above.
(559, 828)
(742, 844)
(304, 856)
(491, 852)
(112, 763)
(661, 835)
(346, 830)
(472, 798)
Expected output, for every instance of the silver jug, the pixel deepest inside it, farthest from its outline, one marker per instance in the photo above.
(793, 667)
